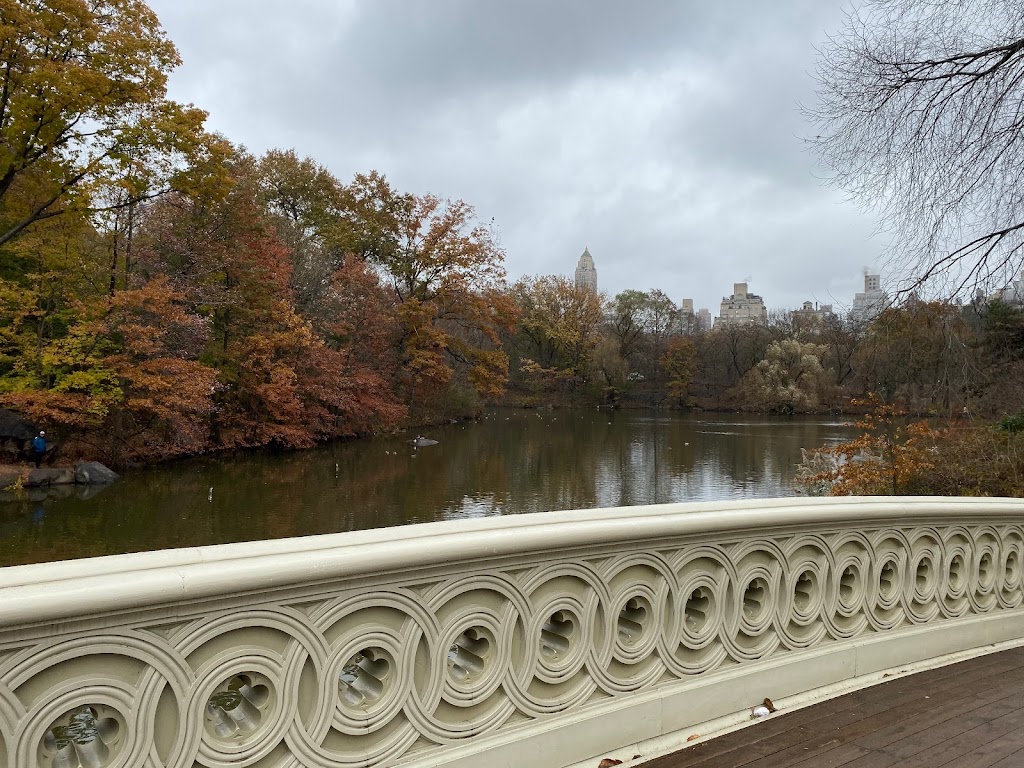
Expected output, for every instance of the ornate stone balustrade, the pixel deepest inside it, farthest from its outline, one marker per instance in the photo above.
(535, 640)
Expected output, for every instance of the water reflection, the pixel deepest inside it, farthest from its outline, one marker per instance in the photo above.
(511, 462)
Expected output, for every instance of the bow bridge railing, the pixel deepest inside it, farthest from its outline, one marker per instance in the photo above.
(536, 640)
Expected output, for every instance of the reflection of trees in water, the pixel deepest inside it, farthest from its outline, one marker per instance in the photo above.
(757, 456)
(511, 462)
(555, 464)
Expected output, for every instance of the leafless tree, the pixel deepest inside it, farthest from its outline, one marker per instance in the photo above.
(920, 117)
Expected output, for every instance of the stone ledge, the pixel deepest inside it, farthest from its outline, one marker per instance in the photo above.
(563, 636)
(83, 473)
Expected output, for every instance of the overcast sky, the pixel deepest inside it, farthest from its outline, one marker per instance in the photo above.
(662, 134)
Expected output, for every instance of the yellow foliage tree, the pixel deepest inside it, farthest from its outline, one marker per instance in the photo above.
(559, 328)
(84, 119)
(680, 363)
(887, 459)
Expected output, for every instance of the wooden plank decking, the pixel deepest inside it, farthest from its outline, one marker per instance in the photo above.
(966, 715)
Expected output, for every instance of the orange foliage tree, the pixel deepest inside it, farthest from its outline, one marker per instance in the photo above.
(122, 384)
(448, 278)
(897, 457)
(889, 458)
(164, 294)
(280, 380)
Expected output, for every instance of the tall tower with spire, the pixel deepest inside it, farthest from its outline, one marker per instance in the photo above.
(586, 272)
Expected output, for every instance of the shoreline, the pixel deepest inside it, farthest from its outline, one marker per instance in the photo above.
(215, 453)
(16, 476)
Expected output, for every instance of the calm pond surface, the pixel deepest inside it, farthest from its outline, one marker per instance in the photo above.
(510, 462)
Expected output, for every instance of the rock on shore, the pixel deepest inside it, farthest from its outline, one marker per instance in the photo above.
(83, 473)
(94, 473)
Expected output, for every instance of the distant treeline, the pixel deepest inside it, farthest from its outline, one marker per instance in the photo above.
(638, 349)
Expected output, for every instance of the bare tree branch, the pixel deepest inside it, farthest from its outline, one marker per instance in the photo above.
(920, 118)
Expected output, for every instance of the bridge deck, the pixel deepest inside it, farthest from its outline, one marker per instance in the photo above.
(966, 715)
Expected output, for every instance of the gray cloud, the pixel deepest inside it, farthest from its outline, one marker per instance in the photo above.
(662, 134)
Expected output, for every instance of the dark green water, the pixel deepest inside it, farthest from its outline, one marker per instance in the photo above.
(511, 462)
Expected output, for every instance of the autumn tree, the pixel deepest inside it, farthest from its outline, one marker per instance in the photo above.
(642, 323)
(559, 330)
(362, 342)
(1000, 344)
(123, 379)
(84, 119)
(613, 369)
(281, 379)
(448, 277)
(680, 365)
(59, 269)
(304, 200)
(919, 118)
(836, 334)
(226, 262)
(625, 321)
(890, 457)
(659, 318)
(784, 325)
(153, 340)
(724, 355)
(304, 194)
(327, 227)
(374, 212)
(163, 293)
(922, 356)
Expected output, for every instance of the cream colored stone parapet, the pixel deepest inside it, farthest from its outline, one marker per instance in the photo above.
(536, 639)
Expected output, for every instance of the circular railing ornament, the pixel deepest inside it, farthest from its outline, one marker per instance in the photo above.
(87, 737)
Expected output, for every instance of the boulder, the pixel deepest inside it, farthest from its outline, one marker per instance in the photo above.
(50, 476)
(94, 473)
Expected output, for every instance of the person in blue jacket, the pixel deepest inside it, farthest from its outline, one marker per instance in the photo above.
(39, 447)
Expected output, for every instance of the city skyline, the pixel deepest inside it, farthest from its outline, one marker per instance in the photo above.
(861, 304)
(667, 135)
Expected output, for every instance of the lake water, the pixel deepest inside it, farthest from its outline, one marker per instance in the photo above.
(510, 462)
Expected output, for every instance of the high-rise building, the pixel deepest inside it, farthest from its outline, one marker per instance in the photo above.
(704, 319)
(692, 321)
(809, 318)
(811, 310)
(687, 317)
(586, 272)
(741, 308)
(869, 304)
(1013, 293)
